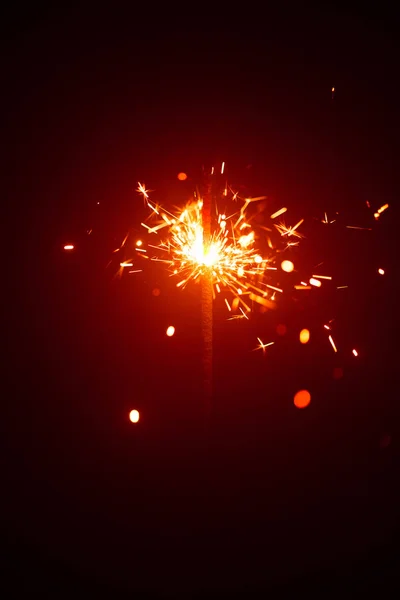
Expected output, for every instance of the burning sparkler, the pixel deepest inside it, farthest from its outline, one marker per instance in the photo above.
(217, 241)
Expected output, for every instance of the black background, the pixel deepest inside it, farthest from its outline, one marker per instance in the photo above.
(269, 497)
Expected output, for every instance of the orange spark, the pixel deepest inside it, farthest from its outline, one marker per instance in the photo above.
(278, 213)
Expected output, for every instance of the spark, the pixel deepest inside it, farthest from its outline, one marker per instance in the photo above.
(263, 346)
(289, 231)
(360, 228)
(142, 190)
(222, 168)
(380, 211)
(126, 264)
(69, 247)
(322, 277)
(332, 343)
(170, 331)
(354, 351)
(278, 213)
(381, 271)
(326, 220)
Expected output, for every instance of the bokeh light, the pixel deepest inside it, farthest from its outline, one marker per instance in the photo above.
(182, 176)
(281, 329)
(134, 416)
(156, 291)
(170, 331)
(139, 243)
(381, 271)
(304, 336)
(302, 399)
(287, 266)
(337, 373)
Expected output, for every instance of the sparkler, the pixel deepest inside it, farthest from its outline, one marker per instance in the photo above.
(216, 241)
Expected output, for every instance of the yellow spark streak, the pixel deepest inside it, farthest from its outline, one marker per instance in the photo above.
(332, 343)
(126, 264)
(141, 189)
(326, 220)
(322, 277)
(342, 287)
(276, 289)
(361, 228)
(222, 168)
(278, 213)
(382, 208)
(302, 287)
(227, 304)
(289, 231)
(263, 346)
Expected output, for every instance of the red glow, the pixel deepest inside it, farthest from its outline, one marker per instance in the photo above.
(337, 373)
(182, 176)
(281, 329)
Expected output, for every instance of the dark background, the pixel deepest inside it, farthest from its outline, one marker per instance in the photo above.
(269, 497)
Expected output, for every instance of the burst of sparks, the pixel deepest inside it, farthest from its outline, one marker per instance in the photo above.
(240, 256)
(232, 256)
